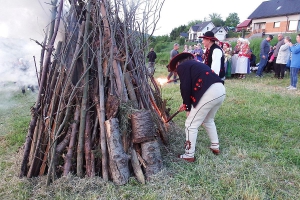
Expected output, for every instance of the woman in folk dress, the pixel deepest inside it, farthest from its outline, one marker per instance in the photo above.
(243, 61)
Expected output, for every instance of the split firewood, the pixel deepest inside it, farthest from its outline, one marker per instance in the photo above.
(118, 159)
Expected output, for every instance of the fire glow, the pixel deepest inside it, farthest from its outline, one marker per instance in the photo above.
(162, 81)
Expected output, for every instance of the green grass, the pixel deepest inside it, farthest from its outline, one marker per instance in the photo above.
(258, 126)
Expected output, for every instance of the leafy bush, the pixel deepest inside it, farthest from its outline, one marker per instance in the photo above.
(159, 47)
(232, 34)
(163, 58)
(181, 41)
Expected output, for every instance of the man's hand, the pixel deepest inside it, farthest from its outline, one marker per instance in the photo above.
(182, 107)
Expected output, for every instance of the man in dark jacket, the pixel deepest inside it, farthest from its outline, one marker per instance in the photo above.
(264, 50)
(203, 93)
(151, 59)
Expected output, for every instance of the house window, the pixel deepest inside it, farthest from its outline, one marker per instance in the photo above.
(293, 25)
(276, 24)
(207, 28)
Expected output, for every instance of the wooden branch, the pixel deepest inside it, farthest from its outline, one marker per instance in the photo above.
(142, 161)
(46, 62)
(36, 72)
(69, 155)
(101, 116)
(84, 98)
(136, 167)
(87, 145)
(37, 153)
(100, 105)
(64, 143)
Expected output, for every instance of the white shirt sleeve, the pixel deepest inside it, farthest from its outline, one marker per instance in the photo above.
(216, 60)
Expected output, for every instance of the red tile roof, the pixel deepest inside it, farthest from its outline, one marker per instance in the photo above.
(245, 23)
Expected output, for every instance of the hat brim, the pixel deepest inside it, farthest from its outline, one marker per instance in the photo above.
(177, 58)
(210, 38)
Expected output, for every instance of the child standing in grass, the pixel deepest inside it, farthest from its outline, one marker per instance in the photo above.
(203, 93)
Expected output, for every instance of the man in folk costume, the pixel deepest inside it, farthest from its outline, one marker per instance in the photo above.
(214, 56)
(203, 93)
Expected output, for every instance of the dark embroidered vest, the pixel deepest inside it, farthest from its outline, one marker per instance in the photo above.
(208, 59)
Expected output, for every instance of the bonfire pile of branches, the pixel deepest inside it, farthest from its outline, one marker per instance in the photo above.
(98, 111)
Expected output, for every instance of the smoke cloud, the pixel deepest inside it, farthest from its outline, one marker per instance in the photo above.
(20, 21)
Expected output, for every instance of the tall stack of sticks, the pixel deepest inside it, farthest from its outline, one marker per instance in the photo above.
(97, 110)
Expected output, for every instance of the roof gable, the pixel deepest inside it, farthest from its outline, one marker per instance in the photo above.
(245, 23)
(184, 34)
(274, 8)
(200, 26)
(217, 29)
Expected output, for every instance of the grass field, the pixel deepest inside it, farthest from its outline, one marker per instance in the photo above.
(258, 127)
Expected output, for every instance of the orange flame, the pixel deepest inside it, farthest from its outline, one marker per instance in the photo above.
(162, 81)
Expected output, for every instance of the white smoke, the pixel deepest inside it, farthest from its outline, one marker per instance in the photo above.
(20, 21)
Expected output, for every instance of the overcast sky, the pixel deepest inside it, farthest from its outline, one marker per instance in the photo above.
(180, 12)
(30, 17)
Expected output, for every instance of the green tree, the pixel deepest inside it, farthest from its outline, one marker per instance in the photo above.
(216, 19)
(192, 23)
(175, 33)
(232, 20)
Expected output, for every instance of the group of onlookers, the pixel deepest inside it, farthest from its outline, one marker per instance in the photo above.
(282, 56)
(237, 61)
(196, 50)
(286, 54)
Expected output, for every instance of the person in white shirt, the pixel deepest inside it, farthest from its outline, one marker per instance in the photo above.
(214, 56)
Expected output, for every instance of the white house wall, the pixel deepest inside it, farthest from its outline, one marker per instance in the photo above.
(209, 27)
(221, 35)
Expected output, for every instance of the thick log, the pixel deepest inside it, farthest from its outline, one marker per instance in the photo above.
(151, 154)
(118, 159)
(142, 126)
